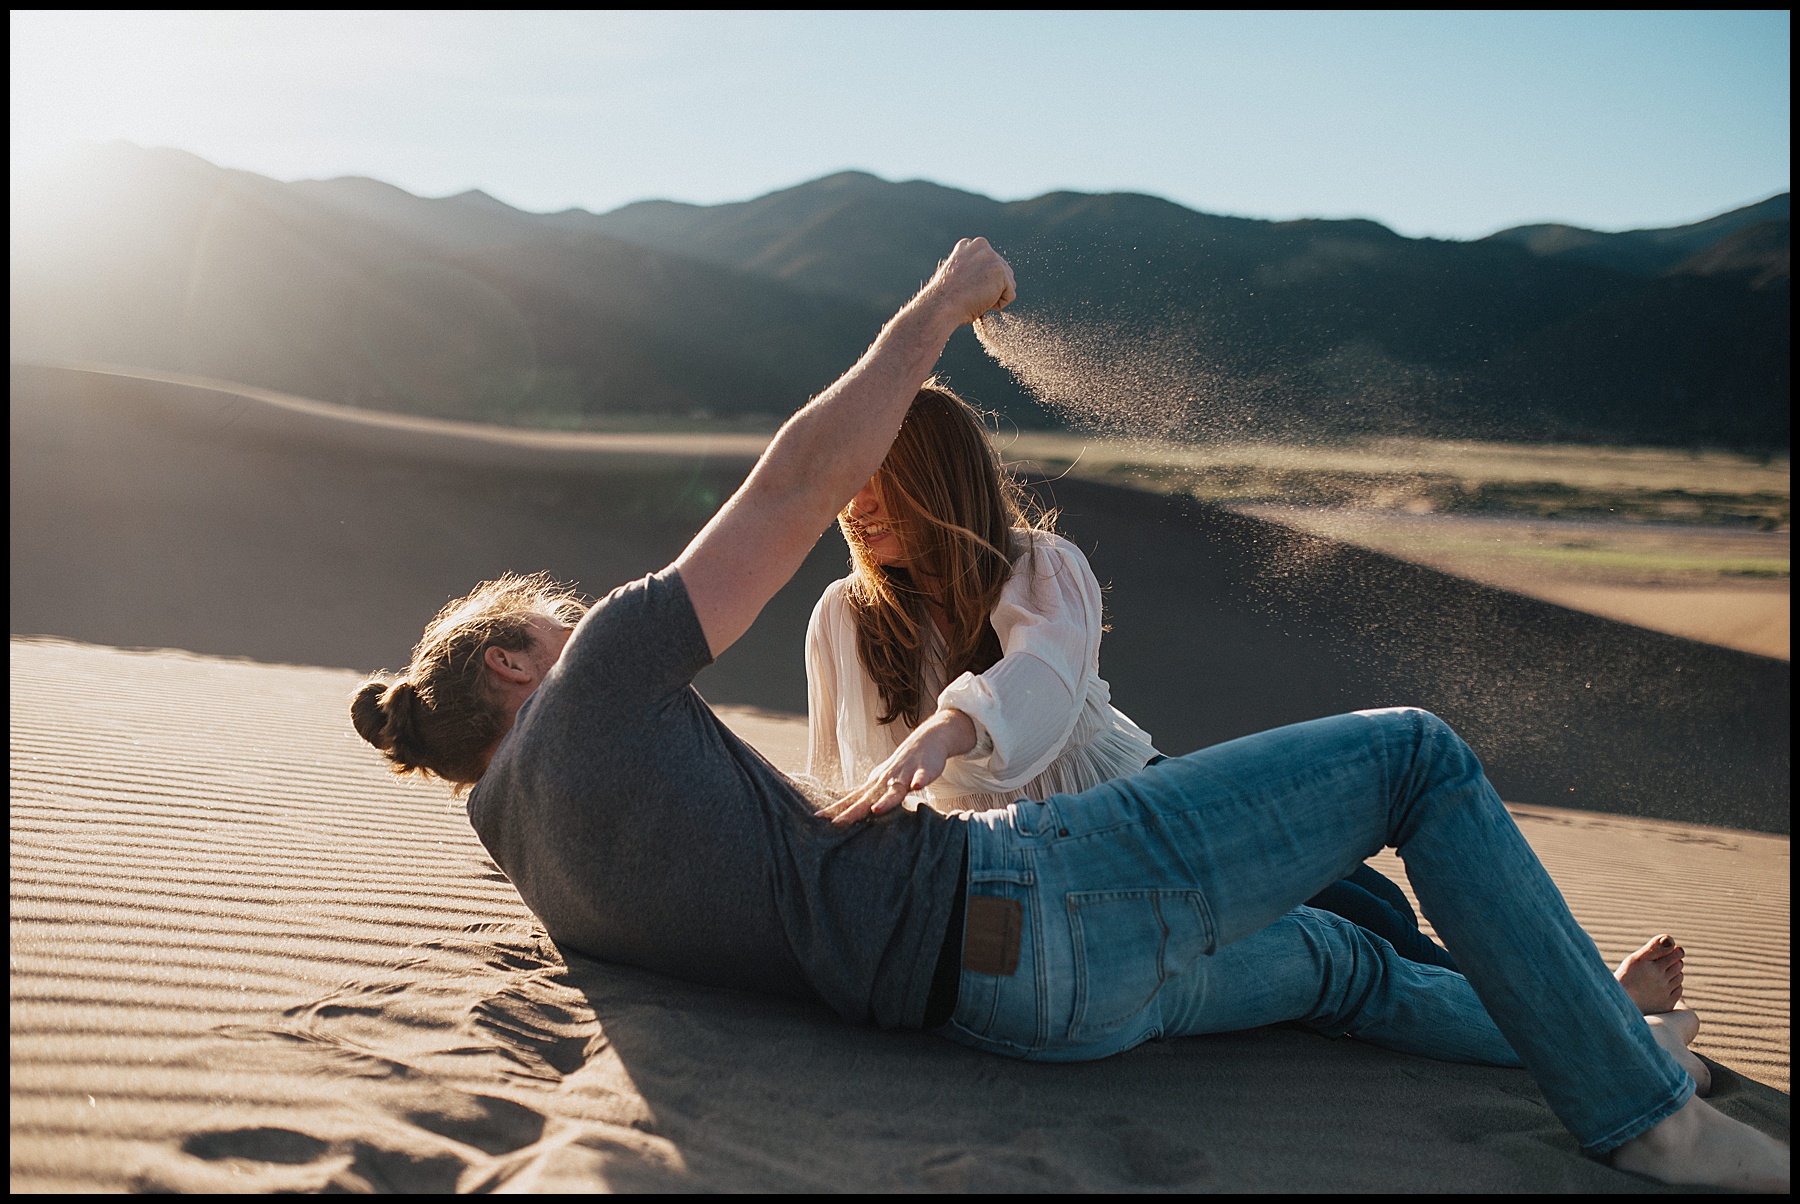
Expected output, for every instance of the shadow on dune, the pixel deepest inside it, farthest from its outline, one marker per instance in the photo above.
(756, 1098)
(570, 1074)
(167, 514)
(1223, 625)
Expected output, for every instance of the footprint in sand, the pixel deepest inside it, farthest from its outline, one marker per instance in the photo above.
(490, 1004)
(260, 1145)
(448, 1021)
(490, 1124)
(353, 1166)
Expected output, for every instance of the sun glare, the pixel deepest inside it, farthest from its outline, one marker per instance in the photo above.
(209, 82)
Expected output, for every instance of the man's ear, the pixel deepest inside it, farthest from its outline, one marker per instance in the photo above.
(510, 666)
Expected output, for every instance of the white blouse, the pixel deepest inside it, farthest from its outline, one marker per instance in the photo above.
(1044, 723)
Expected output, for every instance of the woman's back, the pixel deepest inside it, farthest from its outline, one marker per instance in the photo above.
(1043, 714)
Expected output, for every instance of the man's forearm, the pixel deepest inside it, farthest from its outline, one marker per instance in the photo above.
(831, 448)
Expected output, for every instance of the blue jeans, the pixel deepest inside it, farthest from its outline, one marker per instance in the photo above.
(1370, 901)
(1165, 904)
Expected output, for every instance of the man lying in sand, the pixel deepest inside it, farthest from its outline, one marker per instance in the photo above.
(640, 830)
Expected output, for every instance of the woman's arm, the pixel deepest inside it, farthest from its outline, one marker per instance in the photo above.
(829, 450)
(1029, 702)
(915, 765)
(823, 761)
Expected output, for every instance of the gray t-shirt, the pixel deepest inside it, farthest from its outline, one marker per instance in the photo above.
(640, 830)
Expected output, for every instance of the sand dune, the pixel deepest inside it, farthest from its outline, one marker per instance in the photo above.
(246, 958)
(1700, 582)
(162, 513)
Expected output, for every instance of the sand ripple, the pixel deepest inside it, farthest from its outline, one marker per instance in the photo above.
(246, 958)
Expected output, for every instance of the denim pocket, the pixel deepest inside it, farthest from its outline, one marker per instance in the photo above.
(1126, 943)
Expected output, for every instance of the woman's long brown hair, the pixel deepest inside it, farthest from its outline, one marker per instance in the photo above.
(952, 508)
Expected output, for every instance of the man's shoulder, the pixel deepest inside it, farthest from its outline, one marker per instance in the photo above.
(640, 642)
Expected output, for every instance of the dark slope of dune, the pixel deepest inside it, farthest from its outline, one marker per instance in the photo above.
(162, 514)
(1223, 625)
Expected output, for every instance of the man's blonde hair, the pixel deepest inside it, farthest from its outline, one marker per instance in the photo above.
(440, 717)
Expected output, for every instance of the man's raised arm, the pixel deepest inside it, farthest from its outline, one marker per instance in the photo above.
(830, 449)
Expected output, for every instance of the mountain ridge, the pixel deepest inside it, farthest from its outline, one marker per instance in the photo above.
(1646, 251)
(354, 290)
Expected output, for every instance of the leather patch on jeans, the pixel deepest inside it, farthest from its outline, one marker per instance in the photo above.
(991, 935)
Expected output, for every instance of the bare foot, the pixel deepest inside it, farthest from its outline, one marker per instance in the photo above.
(1669, 1037)
(1652, 975)
(1684, 1020)
(1699, 1146)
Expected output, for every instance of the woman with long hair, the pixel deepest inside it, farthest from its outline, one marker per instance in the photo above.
(964, 602)
(962, 596)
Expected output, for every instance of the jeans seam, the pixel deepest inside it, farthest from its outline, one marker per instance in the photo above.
(1039, 950)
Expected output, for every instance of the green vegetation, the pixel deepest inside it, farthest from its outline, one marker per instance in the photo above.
(1420, 476)
(1636, 561)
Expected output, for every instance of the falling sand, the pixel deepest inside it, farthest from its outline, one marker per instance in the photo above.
(1104, 375)
(1154, 382)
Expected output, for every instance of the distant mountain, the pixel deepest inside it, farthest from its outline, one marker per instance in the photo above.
(1661, 336)
(1758, 253)
(1653, 252)
(849, 235)
(354, 290)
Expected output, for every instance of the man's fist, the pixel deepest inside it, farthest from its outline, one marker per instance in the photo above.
(972, 281)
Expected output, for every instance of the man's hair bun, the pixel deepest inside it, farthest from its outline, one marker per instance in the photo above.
(442, 716)
(381, 711)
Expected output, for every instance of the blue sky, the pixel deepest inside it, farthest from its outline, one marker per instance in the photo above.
(1445, 124)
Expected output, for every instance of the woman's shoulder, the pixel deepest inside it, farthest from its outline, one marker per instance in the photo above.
(833, 605)
(1046, 551)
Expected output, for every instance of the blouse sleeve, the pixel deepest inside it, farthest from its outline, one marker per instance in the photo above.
(822, 692)
(1026, 706)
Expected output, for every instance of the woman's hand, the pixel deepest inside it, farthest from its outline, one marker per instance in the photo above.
(916, 764)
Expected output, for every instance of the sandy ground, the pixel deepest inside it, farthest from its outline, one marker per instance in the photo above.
(1584, 466)
(1749, 618)
(244, 958)
(1683, 579)
(149, 512)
